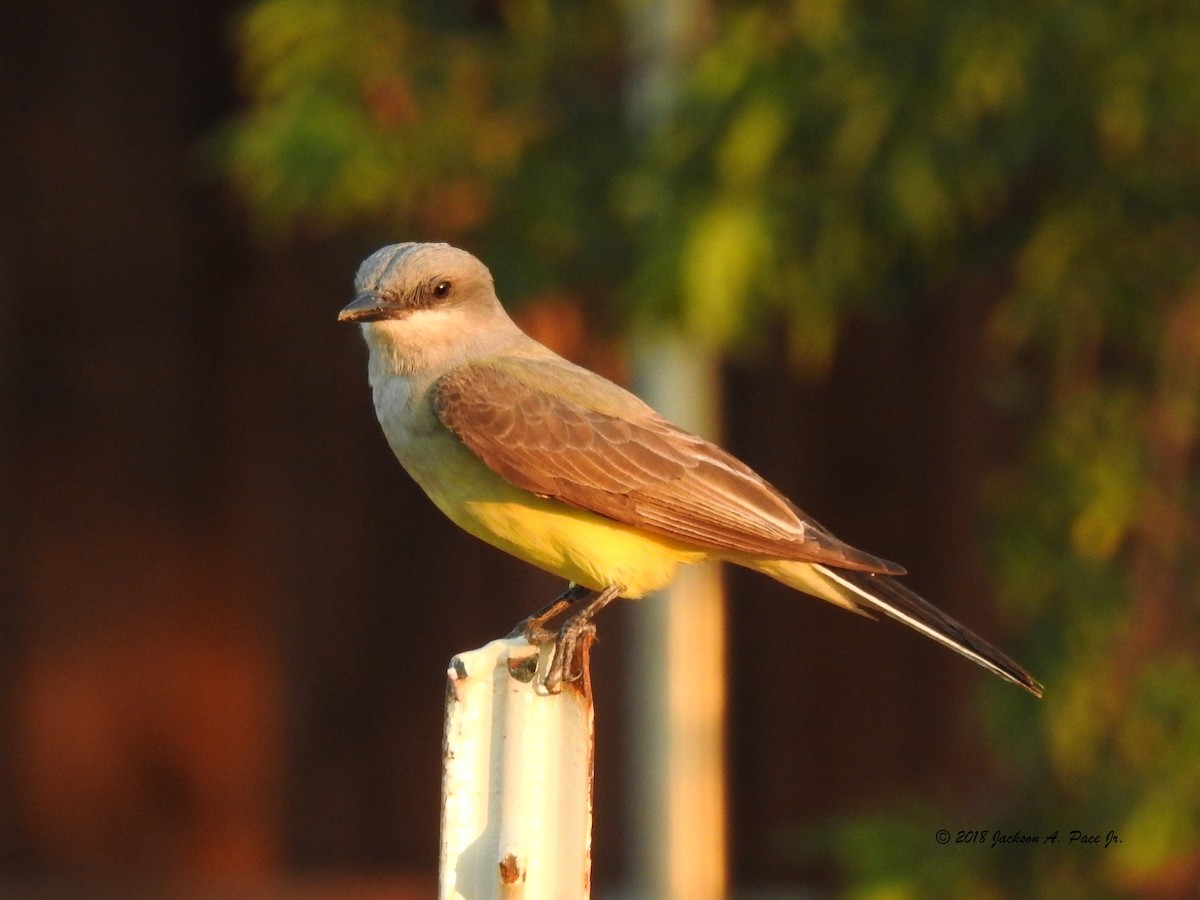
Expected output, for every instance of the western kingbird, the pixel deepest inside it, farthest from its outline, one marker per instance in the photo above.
(565, 470)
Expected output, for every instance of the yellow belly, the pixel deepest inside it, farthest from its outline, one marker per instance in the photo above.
(575, 544)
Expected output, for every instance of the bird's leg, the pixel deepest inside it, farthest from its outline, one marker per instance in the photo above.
(533, 628)
(572, 630)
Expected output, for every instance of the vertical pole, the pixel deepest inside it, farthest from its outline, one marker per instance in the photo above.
(678, 676)
(678, 663)
(516, 778)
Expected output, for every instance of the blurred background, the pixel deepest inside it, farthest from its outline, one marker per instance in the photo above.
(940, 254)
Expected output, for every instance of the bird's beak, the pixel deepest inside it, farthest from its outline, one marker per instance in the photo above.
(367, 307)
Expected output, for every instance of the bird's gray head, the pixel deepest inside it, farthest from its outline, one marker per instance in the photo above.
(399, 280)
(422, 305)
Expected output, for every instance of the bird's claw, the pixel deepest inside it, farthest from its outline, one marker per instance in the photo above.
(576, 634)
(533, 631)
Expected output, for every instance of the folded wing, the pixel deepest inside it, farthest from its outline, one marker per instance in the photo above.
(560, 431)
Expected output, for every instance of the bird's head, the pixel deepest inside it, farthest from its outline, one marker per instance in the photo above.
(424, 305)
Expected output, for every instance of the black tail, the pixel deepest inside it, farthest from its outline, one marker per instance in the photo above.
(885, 594)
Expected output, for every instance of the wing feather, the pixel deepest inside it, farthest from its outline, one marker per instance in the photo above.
(560, 431)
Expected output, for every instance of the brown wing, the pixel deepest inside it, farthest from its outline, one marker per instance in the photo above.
(531, 422)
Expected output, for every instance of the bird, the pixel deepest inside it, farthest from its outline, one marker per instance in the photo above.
(570, 472)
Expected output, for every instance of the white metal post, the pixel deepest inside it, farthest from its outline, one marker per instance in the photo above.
(516, 778)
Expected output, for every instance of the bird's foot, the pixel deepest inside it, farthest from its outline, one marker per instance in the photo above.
(568, 663)
(576, 634)
(533, 631)
(533, 628)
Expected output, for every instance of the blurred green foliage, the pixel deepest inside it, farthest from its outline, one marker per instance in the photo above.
(426, 118)
(818, 156)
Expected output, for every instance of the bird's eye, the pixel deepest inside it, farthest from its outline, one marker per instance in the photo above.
(441, 290)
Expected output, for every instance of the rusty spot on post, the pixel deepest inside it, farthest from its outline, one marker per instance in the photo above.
(510, 870)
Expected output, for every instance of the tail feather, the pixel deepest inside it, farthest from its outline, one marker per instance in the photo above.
(885, 594)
